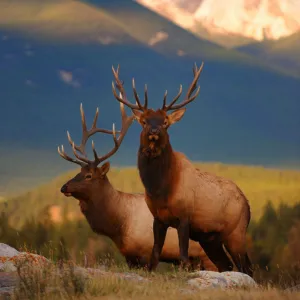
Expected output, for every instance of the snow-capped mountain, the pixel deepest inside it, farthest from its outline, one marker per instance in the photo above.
(255, 19)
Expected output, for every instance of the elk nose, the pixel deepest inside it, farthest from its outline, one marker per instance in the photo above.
(154, 131)
(64, 188)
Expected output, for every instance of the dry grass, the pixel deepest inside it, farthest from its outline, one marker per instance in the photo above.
(64, 282)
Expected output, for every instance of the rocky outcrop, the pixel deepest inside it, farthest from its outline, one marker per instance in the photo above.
(12, 262)
(224, 280)
(10, 258)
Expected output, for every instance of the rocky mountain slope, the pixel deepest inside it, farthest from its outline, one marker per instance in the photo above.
(250, 19)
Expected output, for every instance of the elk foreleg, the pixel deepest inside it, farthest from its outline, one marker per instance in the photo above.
(183, 231)
(159, 232)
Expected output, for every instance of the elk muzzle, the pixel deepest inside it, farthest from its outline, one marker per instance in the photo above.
(153, 134)
(64, 190)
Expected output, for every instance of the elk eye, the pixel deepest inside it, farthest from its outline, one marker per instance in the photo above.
(88, 176)
(144, 122)
(166, 123)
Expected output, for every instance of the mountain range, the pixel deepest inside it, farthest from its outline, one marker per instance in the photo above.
(57, 54)
(239, 20)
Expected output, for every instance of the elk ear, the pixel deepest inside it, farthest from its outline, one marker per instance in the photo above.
(137, 115)
(176, 115)
(104, 168)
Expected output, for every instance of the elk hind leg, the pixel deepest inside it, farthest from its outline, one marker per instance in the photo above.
(134, 262)
(235, 244)
(215, 252)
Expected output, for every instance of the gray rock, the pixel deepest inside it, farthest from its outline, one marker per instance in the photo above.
(7, 266)
(102, 272)
(8, 281)
(6, 292)
(7, 251)
(224, 280)
(131, 276)
(292, 289)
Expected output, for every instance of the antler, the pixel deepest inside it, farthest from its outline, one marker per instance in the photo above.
(123, 99)
(83, 161)
(85, 135)
(189, 98)
(63, 154)
(126, 122)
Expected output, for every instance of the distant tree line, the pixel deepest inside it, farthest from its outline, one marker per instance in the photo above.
(65, 240)
(273, 240)
(274, 243)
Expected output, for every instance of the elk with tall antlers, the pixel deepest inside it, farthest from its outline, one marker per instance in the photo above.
(203, 207)
(123, 217)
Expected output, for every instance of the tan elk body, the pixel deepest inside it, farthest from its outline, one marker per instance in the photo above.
(202, 206)
(126, 219)
(123, 217)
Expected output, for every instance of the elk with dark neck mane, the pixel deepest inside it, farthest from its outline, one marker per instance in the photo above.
(204, 207)
(123, 217)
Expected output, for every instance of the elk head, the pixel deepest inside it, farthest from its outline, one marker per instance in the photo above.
(155, 123)
(92, 177)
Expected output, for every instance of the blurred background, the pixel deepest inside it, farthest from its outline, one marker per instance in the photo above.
(56, 54)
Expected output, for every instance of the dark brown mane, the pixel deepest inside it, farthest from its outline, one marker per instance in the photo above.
(157, 172)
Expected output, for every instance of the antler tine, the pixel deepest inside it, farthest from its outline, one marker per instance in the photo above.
(126, 122)
(121, 89)
(66, 157)
(191, 89)
(146, 97)
(137, 99)
(168, 107)
(165, 100)
(86, 134)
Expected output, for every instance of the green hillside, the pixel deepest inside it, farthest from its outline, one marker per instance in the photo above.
(259, 184)
(283, 53)
(288, 46)
(60, 20)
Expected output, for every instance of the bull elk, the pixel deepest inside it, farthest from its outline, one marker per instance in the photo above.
(123, 217)
(206, 208)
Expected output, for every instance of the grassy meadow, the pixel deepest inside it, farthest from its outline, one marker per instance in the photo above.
(259, 184)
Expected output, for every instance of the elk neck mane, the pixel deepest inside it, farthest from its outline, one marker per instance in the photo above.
(109, 202)
(158, 174)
